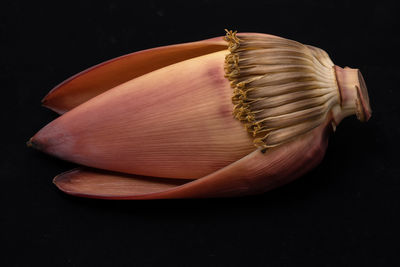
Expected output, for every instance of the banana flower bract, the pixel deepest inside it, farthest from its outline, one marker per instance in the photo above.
(227, 116)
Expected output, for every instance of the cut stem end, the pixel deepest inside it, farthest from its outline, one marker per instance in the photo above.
(353, 93)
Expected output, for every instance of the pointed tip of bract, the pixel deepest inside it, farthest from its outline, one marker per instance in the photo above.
(50, 139)
(64, 182)
(62, 178)
(31, 143)
(56, 105)
(59, 111)
(45, 102)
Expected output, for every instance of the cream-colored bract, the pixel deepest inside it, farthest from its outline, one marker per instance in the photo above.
(281, 88)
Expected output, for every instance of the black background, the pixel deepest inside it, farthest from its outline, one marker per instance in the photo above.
(344, 213)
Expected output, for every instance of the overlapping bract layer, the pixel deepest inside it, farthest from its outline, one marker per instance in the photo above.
(281, 88)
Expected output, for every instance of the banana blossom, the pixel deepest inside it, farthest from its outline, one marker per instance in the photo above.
(227, 116)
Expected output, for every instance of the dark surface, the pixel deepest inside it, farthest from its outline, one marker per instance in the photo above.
(344, 213)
